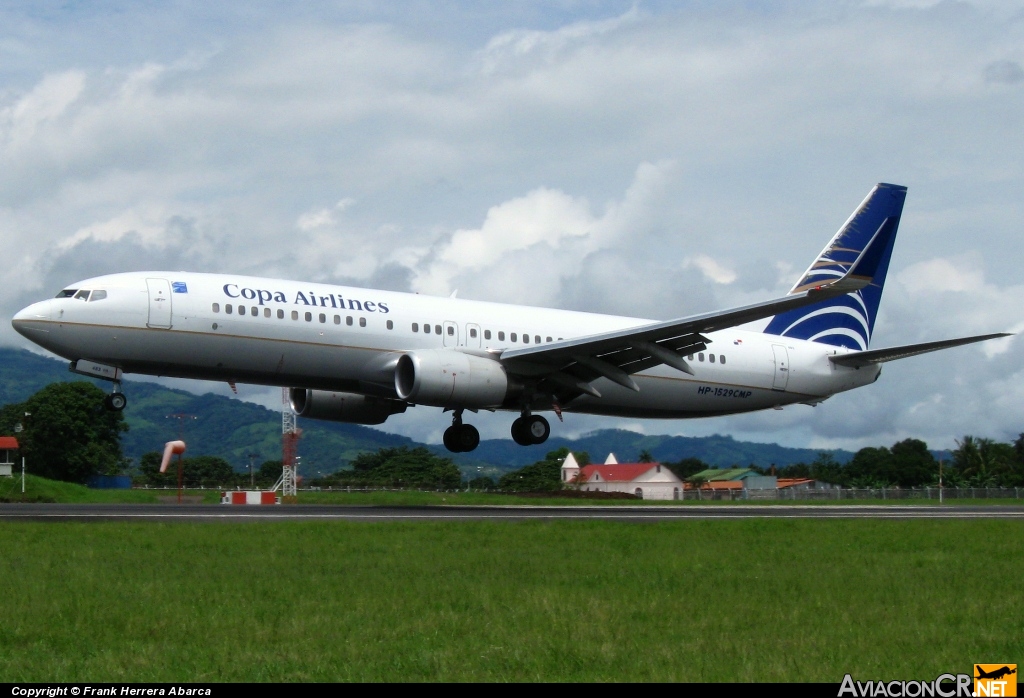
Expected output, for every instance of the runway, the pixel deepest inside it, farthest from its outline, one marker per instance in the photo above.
(214, 513)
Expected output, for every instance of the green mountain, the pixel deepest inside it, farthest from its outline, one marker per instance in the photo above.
(231, 428)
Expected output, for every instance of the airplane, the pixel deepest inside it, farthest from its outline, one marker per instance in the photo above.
(995, 673)
(360, 355)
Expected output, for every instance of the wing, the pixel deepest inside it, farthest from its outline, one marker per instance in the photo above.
(565, 369)
(878, 356)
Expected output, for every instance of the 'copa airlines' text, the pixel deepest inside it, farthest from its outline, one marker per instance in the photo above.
(334, 300)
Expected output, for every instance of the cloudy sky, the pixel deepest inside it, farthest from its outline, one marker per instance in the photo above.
(654, 159)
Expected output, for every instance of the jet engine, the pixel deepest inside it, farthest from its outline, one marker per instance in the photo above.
(343, 407)
(447, 378)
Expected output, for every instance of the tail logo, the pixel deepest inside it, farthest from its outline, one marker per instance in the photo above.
(848, 320)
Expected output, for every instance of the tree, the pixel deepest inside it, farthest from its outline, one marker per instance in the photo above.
(687, 467)
(542, 476)
(645, 457)
(913, 465)
(983, 462)
(871, 467)
(68, 435)
(400, 467)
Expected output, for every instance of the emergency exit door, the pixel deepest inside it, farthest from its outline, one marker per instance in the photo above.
(781, 367)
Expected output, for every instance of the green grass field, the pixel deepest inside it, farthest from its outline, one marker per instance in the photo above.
(737, 600)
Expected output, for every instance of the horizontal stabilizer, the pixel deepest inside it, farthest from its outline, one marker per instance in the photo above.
(878, 356)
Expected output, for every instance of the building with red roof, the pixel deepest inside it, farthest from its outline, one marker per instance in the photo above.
(8, 447)
(645, 480)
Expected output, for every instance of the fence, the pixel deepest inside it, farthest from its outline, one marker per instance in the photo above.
(837, 493)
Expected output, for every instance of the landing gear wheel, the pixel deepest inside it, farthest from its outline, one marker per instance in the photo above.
(451, 439)
(468, 438)
(519, 434)
(115, 402)
(537, 429)
(461, 438)
(530, 430)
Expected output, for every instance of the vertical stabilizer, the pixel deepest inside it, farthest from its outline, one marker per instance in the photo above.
(847, 320)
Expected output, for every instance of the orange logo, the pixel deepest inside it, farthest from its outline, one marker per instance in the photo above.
(995, 680)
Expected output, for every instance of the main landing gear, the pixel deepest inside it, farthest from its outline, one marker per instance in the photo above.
(459, 437)
(530, 430)
(116, 401)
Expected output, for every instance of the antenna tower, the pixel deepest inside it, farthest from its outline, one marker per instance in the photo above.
(290, 433)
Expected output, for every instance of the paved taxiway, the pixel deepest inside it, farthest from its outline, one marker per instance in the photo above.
(200, 513)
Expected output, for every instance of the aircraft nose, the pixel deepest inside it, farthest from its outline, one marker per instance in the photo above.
(25, 318)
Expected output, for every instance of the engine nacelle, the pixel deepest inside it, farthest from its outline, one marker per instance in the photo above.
(447, 378)
(343, 407)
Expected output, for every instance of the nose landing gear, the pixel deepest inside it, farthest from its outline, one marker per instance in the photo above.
(530, 430)
(116, 401)
(459, 437)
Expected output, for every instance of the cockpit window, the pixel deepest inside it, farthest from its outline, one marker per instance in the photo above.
(97, 296)
(67, 293)
(82, 295)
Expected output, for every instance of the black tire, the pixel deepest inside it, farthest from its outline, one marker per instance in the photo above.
(115, 402)
(468, 438)
(537, 429)
(451, 439)
(519, 434)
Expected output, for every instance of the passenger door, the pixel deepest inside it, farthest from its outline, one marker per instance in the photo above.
(159, 303)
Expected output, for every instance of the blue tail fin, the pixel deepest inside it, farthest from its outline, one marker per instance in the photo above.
(847, 321)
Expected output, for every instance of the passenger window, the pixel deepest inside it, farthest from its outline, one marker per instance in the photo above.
(255, 311)
(700, 356)
(391, 325)
(526, 339)
(415, 327)
(721, 359)
(487, 334)
(97, 296)
(280, 314)
(362, 322)
(337, 319)
(437, 329)
(426, 328)
(513, 336)
(547, 339)
(266, 312)
(241, 310)
(536, 339)
(322, 318)
(348, 320)
(295, 315)
(501, 336)
(690, 357)
(711, 358)
(216, 307)
(309, 317)
(472, 332)
(227, 308)
(451, 331)
(82, 295)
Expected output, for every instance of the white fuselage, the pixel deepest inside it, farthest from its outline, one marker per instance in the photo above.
(325, 337)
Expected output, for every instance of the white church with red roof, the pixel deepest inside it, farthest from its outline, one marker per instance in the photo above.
(645, 480)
